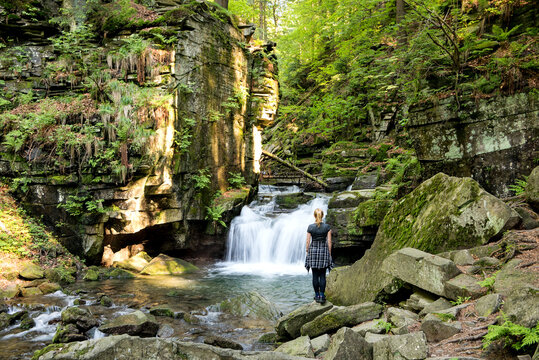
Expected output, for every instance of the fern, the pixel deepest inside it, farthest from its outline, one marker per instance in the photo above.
(517, 336)
(519, 187)
(488, 282)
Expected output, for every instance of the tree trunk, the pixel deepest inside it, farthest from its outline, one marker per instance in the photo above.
(223, 3)
(286, 163)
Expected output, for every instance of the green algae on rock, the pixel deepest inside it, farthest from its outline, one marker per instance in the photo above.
(167, 265)
(443, 213)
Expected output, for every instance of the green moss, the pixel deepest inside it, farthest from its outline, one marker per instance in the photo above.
(46, 349)
(371, 212)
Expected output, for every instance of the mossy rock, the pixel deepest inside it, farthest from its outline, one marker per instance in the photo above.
(30, 291)
(135, 263)
(161, 311)
(444, 213)
(252, 305)
(167, 265)
(121, 274)
(49, 287)
(532, 188)
(371, 212)
(91, 275)
(32, 272)
(292, 201)
(60, 275)
(10, 291)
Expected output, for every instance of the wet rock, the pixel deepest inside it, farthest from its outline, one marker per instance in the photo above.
(67, 333)
(30, 291)
(79, 316)
(91, 275)
(366, 181)
(10, 291)
(300, 346)
(372, 326)
(135, 263)
(463, 286)
(320, 344)
(416, 267)
(401, 347)
(348, 199)
(340, 316)
(49, 287)
(290, 324)
(436, 329)
(60, 275)
(532, 188)
(105, 301)
(488, 304)
(400, 317)
(436, 306)
(269, 338)
(121, 274)
(222, 342)
(167, 265)
(470, 215)
(419, 299)
(293, 200)
(31, 272)
(346, 344)
(136, 323)
(109, 347)
(27, 322)
(165, 331)
(252, 305)
(5, 320)
(162, 311)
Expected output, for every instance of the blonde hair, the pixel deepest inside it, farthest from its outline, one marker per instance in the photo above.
(318, 215)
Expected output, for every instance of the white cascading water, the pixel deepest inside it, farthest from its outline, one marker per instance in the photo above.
(264, 241)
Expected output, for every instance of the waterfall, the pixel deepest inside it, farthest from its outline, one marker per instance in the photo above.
(263, 239)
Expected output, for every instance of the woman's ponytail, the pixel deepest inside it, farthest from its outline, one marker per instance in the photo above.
(318, 215)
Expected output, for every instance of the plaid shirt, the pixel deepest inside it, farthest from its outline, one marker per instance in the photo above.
(318, 256)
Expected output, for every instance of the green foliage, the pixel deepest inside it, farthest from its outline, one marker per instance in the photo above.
(78, 205)
(489, 281)
(517, 336)
(384, 325)
(460, 300)
(215, 213)
(445, 316)
(202, 180)
(500, 34)
(519, 187)
(236, 180)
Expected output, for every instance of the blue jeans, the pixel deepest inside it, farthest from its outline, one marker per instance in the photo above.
(319, 280)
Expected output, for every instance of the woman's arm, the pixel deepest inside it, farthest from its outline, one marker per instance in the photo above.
(308, 242)
(329, 242)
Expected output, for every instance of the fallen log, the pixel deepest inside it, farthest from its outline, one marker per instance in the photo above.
(286, 163)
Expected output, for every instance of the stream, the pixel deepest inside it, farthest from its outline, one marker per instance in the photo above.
(265, 253)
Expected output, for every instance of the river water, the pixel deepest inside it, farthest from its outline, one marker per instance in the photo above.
(265, 253)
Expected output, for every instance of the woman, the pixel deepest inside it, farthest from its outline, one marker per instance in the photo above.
(318, 250)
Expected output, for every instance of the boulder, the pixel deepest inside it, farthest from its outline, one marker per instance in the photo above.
(436, 306)
(400, 317)
(222, 342)
(290, 324)
(269, 338)
(67, 333)
(300, 346)
(419, 299)
(370, 213)
(11, 290)
(162, 311)
(118, 273)
(372, 326)
(167, 265)
(320, 344)
(347, 344)
(463, 257)
(165, 331)
(348, 199)
(136, 323)
(436, 329)
(30, 291)
(49, 287)
(366, 181)
(401, 347)
(532, 188)
(372, 338)
(27, 322)
(443, 213)
(463, 286)
(488, 304)
(529, 218)
(340, 316)
(60, 275)
(105, 301)
(32, 272)
(5, 320)
(130, 347)
(292, 200)
(135, 263)
(251, 304)
(79, 316)
(91, 275)
(416, 267)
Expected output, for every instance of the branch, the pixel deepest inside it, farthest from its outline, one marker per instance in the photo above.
(286, 163)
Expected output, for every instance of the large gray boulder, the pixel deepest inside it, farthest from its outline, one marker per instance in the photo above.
(426, 271)
(320, 344)
(167, 265)
(290, 324)
(347, 344)
(252, 305)
(125, 347)
(443, 213)
(437, 329)
(401, 347)
(135, 323)
(81, 317)
(532, 188)
(488, 304)
(340, 316)
(400, 317)
(463, 286)
(300, 346)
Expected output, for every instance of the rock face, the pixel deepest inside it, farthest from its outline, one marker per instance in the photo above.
(207, 82)
(532, 188)
(251, 304)
(136, 323)
(493, 140)
(290, 324)
(124, 347)
(346, 344)
(401, 347)
(443, 213)
(300, 346)
(167, 265)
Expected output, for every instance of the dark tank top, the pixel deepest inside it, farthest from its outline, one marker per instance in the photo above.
(319, 233)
